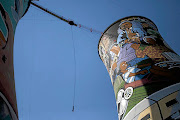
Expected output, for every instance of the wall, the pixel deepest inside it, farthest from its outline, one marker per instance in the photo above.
(10, 13)
(143, 70)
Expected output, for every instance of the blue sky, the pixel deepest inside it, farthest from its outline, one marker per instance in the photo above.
(44, 60)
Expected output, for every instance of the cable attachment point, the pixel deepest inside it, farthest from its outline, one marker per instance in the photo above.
(72, 23)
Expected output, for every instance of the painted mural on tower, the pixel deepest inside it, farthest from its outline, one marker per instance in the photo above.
(10, 13)
(143, 70)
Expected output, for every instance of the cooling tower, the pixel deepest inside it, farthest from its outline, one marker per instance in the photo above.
(143, 70)
(11, 12)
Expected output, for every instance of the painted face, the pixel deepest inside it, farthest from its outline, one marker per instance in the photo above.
(115, 49)
(126, 25)
(123, 65)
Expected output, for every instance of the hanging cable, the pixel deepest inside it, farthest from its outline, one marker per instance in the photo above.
(74, 53)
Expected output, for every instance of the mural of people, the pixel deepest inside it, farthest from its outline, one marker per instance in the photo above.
(140, 61)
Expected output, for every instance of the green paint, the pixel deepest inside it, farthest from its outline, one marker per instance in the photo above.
(3, 27)
(119, 84)
(8, 117)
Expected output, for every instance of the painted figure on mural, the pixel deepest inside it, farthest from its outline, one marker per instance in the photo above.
(8, 35)
(130, 73)
(4, 16)
(122, 101)
(17, 11)
(128, 41)
(4, 39)
(137, 45)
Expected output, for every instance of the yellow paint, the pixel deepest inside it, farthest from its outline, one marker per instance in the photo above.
(166, 111)
(153, 110)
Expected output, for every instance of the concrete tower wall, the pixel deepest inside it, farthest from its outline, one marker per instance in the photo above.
(10, 13)
(143, 69)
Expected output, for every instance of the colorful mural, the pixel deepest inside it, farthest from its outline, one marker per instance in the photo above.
(143, 70)
(10, 13)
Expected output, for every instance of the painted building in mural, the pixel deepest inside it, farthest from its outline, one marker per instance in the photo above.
(143, 69)
(10, 13)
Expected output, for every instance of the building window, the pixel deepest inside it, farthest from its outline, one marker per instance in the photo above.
(147, 117)
(171, 102)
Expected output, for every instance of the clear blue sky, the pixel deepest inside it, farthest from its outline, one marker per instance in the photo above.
(44, 61)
